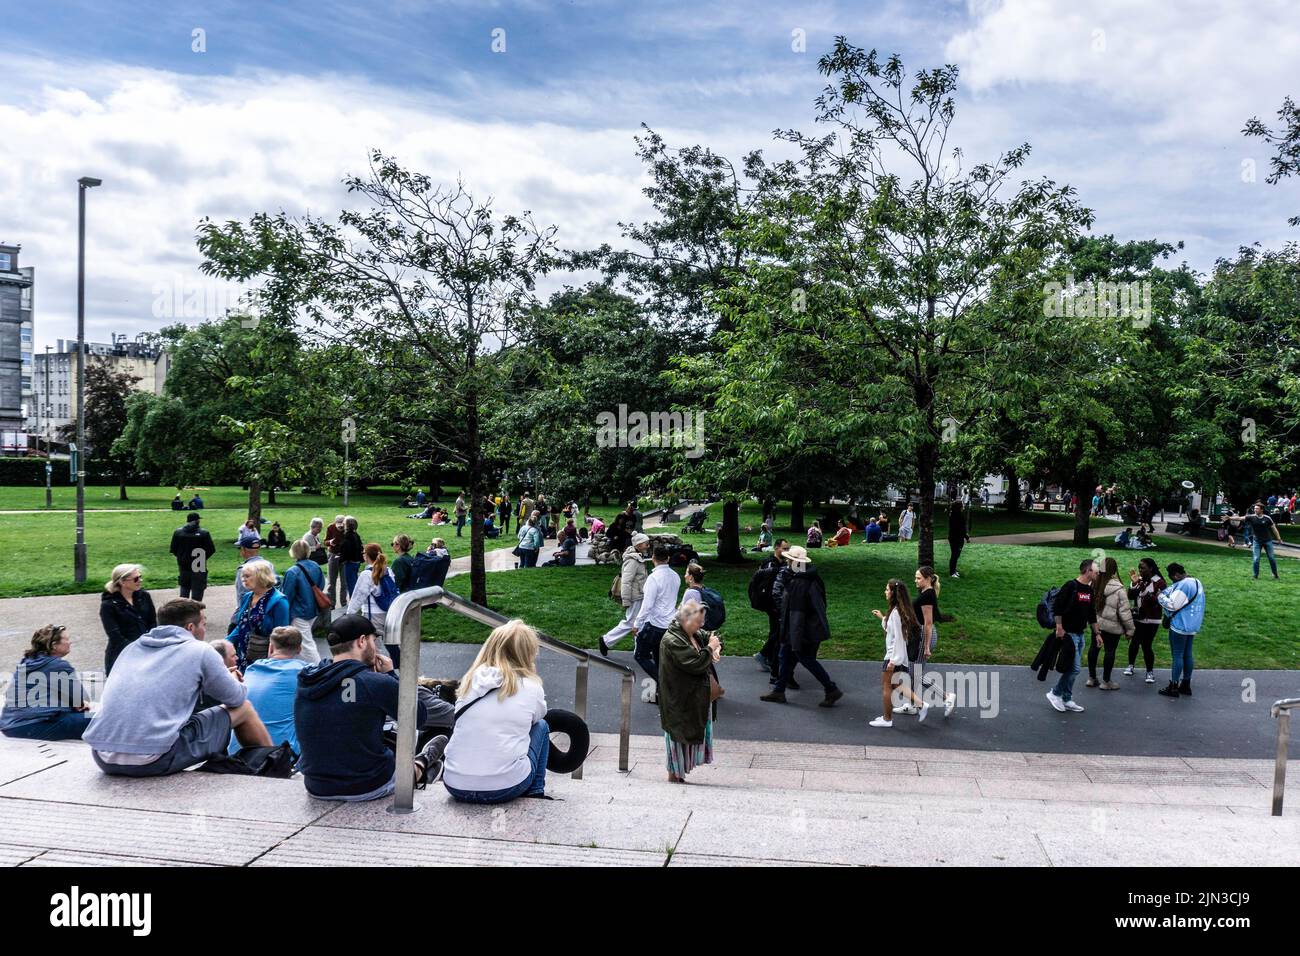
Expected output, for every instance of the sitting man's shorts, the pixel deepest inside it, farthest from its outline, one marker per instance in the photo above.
(204, 735)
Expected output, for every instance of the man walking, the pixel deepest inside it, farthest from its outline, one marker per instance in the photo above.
(632, 580)
(461, 510)
(1073, 609)
(192, 547)
(1184, 602)
(658, 605)
(1262, 531)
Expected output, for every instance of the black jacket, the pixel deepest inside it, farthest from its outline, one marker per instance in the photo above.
(1055, 654)
(958, 527)
(351, 548)
(187, 539)
(803, 616)
(123, 623)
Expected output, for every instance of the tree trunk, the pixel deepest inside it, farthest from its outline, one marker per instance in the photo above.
(1082, 512)
(121, 486)
(729, 534)
(1012, 500)
(270, 495)
(797, 524)
(255, 500)
(927, 456)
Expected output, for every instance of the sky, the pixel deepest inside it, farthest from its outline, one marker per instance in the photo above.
(225, 109)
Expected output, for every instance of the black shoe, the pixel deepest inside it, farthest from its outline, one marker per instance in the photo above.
(792, 684)
(1169, 691)
(430, 761)
(775, 697)
(832, 696)
(1185, 688)
(604, 648)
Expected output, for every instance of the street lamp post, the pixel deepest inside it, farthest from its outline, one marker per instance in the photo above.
(79, 551)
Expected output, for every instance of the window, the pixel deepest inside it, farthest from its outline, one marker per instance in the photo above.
(6, 262)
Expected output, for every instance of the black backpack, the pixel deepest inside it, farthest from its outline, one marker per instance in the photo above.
(715, 611)
(760, 589)
(429, 571)
(255, 762)
(1047, 616)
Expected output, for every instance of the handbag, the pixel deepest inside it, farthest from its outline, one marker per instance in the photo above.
(322, 599)
(320, 556)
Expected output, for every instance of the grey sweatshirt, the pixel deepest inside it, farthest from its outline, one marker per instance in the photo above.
(154, 688)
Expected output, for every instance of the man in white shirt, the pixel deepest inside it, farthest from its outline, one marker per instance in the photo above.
(658, 604)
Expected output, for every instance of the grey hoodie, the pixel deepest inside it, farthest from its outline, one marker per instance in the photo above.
(154, 688)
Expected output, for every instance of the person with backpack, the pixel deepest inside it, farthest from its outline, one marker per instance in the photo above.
(906, 522)
(804, 626)
(898, 625)
(300, 584)
(765, 589)
(1114, 619)
(814, 538)
(1145, 584)
(375, 591)
(1184, 606)
(715, 609)
(1072, 610)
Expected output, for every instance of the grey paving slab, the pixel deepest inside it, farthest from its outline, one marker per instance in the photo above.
(650, 828)
(712, 775)
(931, 768)
(14, 855)
(699, 859)
(1217, 796)
(838, 764)
(885, 838)
(79, 781)
(172, 836)
(328, 846)
(1216, 840)
(1109, 761)
(1234, 765)
(939, 754)
(80, 858)
(721, 757)
(21, 758)
(1172, 778)
(1089, 793)
(902, 784)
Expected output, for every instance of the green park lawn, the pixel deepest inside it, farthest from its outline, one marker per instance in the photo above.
(1250, 624)
(37, 554)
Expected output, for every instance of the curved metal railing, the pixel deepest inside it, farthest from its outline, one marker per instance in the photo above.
(1282, 711)
(404, 615)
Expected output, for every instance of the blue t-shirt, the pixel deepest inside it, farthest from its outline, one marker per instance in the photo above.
(873, 532)
(272, 686)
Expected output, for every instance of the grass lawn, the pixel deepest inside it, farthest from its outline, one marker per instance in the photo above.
(1250, 624)
(37, 556)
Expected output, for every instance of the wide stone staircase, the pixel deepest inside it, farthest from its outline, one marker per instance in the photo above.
(761, 803)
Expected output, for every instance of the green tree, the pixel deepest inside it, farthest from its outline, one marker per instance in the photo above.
(1286, 139)
(106, 394)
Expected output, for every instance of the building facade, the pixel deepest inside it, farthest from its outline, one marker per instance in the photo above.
(54, 378)
(16, 290)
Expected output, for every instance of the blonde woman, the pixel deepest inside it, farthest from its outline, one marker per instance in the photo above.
(261, 610)
(125, 609)
(374, 593)
(299, 585)
(502, 740)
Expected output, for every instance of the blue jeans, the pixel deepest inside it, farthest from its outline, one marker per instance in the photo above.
(460, 523)
(69, 726)
(1180, 645)
(539, 748)
(1064, 688)
(646, 651)
(1268, 547)
(350, 569)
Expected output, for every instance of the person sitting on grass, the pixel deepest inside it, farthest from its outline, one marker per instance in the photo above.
(248, 534)
(275, 538)
(873, 532)
(273, 685)
(502, 740)
(843, 535)
(177, 504)
(339, 712)
(45, 700)
(1122, 539)
(147, 724)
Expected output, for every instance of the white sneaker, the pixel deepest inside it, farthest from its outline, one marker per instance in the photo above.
(949, 704)
(1071, 705)
(925, 712)
(955, 575)
(1151, 678)
(881, 722)
(1055, 701)
(907, 710)
(1128, 671)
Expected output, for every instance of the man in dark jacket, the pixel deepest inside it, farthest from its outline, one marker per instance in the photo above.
(769, 658)
(803, 628)
(192, 547)
(958, 535)
(339, 714)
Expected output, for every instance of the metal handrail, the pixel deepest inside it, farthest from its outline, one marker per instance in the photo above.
(405, 614)
(1282, 711)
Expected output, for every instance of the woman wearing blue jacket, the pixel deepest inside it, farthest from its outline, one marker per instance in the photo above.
(45, 699)
(296, 586)
(261, 610)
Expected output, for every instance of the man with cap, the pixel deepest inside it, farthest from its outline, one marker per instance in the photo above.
(192, 547)
(339, 715)
(632, 580)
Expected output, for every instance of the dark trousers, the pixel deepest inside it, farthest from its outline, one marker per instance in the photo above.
(193, 583)
(1110, 642)
(505, 523)
(646, 652)
(789, 658)
(1144, 636)
(955, 548)
(772, 646)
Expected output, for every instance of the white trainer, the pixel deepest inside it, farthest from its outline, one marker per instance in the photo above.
(1071, 705)
(881, 722)
(1151, 678)
(949, 704)
(907, 710)
(1128, 671)
(1055, 701)
(925, 712)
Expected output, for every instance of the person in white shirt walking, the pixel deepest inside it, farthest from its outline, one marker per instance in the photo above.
(900, 622)
(905, 523)
(658, 605)
(632, 580)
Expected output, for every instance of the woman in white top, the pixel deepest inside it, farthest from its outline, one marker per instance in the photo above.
(502, 741)
(367, 594)
(900, 622)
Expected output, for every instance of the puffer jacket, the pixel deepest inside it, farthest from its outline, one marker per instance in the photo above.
(1114, 616)
(633, 576)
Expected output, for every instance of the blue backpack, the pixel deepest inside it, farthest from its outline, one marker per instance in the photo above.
(715, 612)
(1046, 615)
(386, 594)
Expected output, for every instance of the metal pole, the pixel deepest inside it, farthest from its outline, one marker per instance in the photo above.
(408, 680)
(1279, 772)
(625, 724)
(345, 474)
(580, 700)
(79, 551)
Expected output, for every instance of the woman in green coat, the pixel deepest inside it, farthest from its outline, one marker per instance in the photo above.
(684, 705)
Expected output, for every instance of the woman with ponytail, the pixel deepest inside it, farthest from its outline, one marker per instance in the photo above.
(374, 593)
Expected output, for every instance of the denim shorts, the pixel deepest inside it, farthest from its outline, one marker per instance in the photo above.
(206, 734)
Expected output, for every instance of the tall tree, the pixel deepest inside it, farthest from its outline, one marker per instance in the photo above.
(106, 395)
(1286, 139)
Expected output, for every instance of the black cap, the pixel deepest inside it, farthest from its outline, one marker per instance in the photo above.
(192, 516)
(349, 627)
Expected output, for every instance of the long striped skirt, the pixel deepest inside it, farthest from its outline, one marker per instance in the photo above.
(683, 758)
